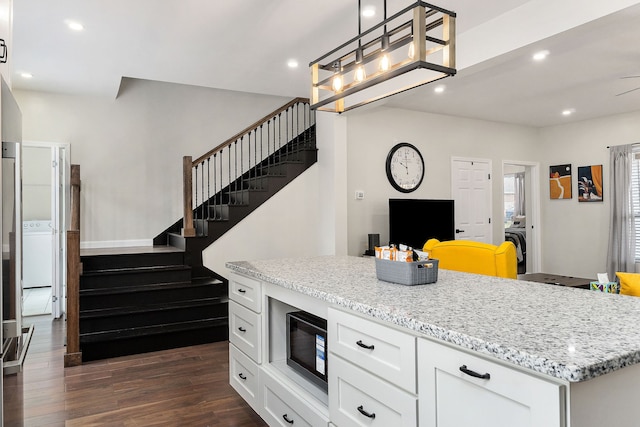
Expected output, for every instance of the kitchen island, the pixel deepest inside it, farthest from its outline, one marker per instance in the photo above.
(559, 356)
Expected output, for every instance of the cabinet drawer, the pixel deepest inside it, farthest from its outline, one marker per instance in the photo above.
(506, 397)
(281, 407)
(384, 351)
(245, 291)
(357, 398)
(244, 376)
(245, 330)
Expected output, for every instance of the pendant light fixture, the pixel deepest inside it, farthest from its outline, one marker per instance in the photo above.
(360, 74)
(372, 65)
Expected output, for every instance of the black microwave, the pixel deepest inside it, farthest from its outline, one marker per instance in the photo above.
(307, 346)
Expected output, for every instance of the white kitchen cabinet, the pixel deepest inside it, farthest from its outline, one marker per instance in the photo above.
(244, 376)
(245, 330)
(359, 398)
(382, 350)
(457, 389)
(245, 291)
(282, 406)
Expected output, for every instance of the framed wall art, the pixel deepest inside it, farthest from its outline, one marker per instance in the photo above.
(560, 181)
(590, 183)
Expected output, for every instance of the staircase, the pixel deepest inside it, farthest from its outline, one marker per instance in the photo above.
(136, 300)
(146, 300)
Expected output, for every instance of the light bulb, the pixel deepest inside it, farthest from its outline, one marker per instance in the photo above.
(384, 63)
(360, 74)
(412, 50)
(337, 83)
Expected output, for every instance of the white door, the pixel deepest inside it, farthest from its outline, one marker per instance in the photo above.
(59, 172)
(471, 192)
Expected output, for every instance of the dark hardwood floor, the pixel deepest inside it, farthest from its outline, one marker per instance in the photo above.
(181, 387)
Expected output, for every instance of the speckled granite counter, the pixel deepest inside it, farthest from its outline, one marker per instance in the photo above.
(572, 334)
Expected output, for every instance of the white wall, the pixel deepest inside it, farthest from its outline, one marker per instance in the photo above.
(130, 149)
(307, 217)
(371, 134)
(575, 234)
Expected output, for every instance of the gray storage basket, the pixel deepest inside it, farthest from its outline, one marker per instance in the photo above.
(407, 273)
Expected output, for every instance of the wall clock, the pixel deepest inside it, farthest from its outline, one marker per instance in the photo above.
(405, 167)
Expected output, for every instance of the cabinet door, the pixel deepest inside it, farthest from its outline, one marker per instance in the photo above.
(358, 398)
(282, 407)
(244, 376)
(245, 330)
(382, 350)
(245, 291)
(451, 396)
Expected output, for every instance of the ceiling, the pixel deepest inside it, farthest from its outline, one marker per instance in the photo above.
(244, 45)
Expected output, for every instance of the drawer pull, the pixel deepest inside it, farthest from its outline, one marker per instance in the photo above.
(365, 413)
(242, 376)
(464, 369)
(363, 345)
(287, 419)
(242, 291)
(241, 329)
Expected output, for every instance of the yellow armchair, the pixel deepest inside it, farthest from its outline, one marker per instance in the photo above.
(475, 257)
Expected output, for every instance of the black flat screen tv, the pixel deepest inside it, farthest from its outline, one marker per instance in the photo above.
(414, 221)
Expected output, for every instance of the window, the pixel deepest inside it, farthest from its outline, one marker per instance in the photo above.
(635, 196)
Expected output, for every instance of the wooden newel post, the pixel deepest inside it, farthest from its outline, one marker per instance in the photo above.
(75, 197)
(188, 230)
(73, 356)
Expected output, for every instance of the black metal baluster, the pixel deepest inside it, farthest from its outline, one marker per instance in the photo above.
(221, 187)
(202, 192)
(229, 172)
(294, 131)
(208, 188)
(235, 165)
(287, 140)
(249, 157)
(219, 197)
(255, 158)
(237, 177)
(262, 152)
(195, 206)
(268, 153)
(279, 131)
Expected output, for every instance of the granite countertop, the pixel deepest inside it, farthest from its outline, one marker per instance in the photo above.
(572, 334)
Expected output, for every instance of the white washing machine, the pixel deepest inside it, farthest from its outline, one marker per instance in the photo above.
(37, 254)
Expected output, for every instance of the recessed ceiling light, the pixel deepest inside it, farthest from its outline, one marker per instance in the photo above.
(539, 56)
(26, 75)
(74, 25)
(369, 11)
(292, 63)
(568, 111)
(439, 88)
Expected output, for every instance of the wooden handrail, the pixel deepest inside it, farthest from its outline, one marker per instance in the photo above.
(249, 129)
(73, 356)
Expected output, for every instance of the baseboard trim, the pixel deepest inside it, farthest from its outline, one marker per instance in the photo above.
(99, 244)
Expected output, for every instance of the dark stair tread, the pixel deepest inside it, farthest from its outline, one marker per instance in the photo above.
(148, 287)
(141, 270)
(146, 308)
(94, 337)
